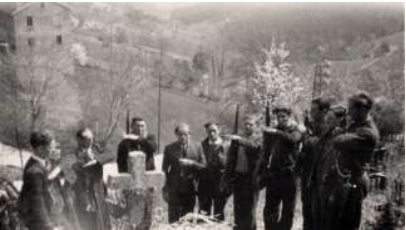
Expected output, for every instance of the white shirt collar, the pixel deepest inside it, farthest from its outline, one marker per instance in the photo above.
(219, 141)
(40, 160)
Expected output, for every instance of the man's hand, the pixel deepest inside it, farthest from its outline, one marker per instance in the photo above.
(131, 136)
(90, 163)
(268, 129)
(337, 130)
(234, 137)
(186, 162)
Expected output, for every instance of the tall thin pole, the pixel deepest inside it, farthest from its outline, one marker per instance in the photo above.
(159, 109)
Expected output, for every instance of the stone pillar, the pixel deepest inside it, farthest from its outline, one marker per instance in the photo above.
(136, 165)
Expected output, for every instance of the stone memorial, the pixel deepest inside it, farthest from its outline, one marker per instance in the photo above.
(133, 196)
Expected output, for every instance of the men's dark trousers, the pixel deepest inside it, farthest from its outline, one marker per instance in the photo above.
(218, 201)
(245, 203)
(307, 209)
(210, 195)
(351, 215)
(280, 189)
(180, 205)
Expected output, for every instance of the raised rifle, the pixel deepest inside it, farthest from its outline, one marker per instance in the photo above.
(236, 119)
(231, 158)
(267, 114)
(127, 122)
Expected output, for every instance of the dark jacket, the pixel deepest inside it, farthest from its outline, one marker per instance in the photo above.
(215, 155)
(180, 179)
(147, 145)
(356, 146)
(281, 149)
(307, 160)
(89, 190)
(252, 148)
(210, 177)
(35, 200)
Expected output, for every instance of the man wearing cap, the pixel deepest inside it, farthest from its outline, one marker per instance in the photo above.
(281, 147)
(241, 173)
(356, 146)
(181, 162)
(138, 140)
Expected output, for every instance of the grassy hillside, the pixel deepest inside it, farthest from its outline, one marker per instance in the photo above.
(176, 108)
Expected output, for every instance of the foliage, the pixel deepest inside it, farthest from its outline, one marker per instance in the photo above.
(275, 80)
(388, 116)
(387, 220)
(39, 96)
(200, 62)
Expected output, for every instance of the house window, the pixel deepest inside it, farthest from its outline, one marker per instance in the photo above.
(59, 39)
(29, 21)
(30, 42)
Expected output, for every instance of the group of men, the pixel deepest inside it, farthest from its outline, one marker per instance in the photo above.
(330, 156)
(64, 195)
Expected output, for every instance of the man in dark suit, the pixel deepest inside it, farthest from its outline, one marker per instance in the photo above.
(138, 140)
(89, 188)
(181, 163)
(215, 150)
(243, 158)
(35, 199)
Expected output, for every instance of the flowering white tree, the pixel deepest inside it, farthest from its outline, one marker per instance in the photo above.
(274, 80)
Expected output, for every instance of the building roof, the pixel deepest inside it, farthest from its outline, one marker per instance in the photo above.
(27, 5)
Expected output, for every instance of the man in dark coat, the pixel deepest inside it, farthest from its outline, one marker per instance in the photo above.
(35, 200)
(138, 140)
(181, 162)
(89, 188)
(214, 149)
(308, 157)
(281, 147)
(241, 173)
(356, 147)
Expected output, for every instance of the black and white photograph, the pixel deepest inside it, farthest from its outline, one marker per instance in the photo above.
(202, 115)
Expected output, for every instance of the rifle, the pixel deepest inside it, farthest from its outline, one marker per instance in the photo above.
(267, 114)
(127, 122)
(236, 119)
(231, 159)
(267, 143)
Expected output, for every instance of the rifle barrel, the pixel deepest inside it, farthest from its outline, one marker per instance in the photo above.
(237, 114)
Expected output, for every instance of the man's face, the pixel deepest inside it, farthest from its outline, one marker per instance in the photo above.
(183, 135)
(48, 151)
(249, 126)
(85, 140)
(356, 113)
(315, 112)
(213, 132)
(139, 128)
(283, 119)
